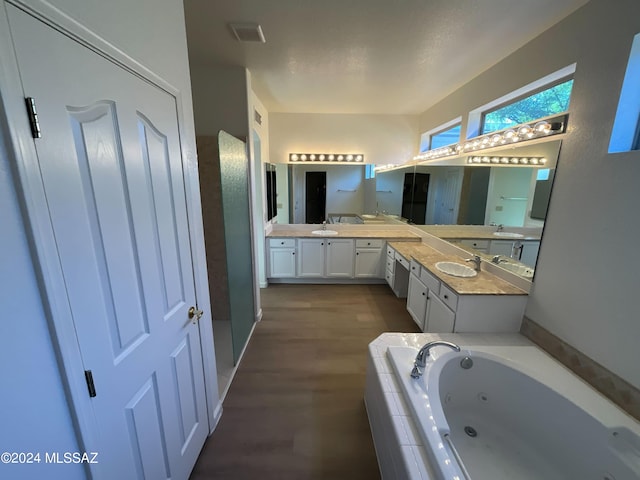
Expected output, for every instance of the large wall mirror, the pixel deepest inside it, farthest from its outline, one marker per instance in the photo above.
(452, 192)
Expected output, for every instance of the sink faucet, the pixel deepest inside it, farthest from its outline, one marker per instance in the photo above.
(421, 358)
(497, 259)
(476, 262)
(324, 225)
(500, 228)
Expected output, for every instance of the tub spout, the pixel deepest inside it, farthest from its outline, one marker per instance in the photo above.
(423, 353)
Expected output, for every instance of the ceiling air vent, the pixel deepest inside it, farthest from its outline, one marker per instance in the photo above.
(247, 32)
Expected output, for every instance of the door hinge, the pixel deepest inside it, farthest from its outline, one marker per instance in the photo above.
(33, 117)
(89, 377)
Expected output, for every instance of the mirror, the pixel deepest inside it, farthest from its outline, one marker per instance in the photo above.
(448, 192)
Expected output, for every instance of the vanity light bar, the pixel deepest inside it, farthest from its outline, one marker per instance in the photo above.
(511, 161)
(519, 133)
(326, 157)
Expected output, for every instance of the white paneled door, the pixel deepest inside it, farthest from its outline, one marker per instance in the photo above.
(111, 167)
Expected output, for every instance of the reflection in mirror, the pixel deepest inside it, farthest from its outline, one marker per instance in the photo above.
(446, 192)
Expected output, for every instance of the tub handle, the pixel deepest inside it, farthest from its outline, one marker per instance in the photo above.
(447, 438)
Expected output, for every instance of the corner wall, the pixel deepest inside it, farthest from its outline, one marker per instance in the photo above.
(586, 277)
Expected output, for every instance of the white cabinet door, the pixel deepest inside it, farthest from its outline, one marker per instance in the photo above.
(529, 254)
(368, 262)
(417, 300)
(440, 318)
(311, 257)
(340, 257)
(282, 262)
(501, 247)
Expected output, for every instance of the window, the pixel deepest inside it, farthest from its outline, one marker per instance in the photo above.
(369, 171)
(626, 127)
(541, 104)
(443, 134)
(446, 137)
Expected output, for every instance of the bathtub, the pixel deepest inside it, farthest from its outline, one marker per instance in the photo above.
(514, 414)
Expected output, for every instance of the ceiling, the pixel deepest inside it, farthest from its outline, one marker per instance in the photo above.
(365, 56)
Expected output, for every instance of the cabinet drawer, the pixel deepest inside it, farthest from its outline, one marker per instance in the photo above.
(391, 253)
(403, 261)
(369, 243)
(391, 264)
(477, 244)
(448, 297)
(415, 268)
(430, 280)
(282, 242)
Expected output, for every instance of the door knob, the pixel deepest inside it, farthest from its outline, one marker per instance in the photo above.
(195, 314)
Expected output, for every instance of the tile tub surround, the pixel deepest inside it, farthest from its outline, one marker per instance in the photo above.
(620, 392)
(484, 283)
(398, 443)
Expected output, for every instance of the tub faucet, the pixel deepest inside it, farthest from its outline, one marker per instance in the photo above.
(421, 358)
(476, 262)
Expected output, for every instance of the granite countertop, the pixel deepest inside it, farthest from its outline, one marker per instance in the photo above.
(484, 283)
(479, 232)
(394, 234)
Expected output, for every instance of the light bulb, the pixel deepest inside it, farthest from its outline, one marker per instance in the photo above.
(331, 157)
(511, 135)
(524, 131)
(543, 127)
(349, 158)
(340, 158)
(294, 157)
(495, 160)
(321, 157)
(514, 160)
(303, 157)
(359, 158)
(504, 160)
(312, 157)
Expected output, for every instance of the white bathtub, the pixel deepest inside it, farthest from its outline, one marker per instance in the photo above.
(515, 414)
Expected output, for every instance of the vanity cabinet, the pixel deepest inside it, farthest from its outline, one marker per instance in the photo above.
(369, 256)
(339, 257)
(397, 273)
(417, 300)
(502, 247)
(436, 308)
(529, 255)
(477, 244)
(324, 257)
(311, 257)
(282, 258)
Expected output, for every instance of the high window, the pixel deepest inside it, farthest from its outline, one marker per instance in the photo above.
(550, 101)
(444, 134)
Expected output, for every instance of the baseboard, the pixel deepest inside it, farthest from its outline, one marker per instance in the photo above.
(235, 368)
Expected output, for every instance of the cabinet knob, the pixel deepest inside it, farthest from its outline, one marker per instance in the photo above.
(424, 294)
(328, 243)
(293, 253)
(446, 297)
(322, 243)
(413, 268)
(281, 243)
(368, 243)
(357, 253)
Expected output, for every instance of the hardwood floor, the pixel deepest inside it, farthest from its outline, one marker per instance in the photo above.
(295, 409)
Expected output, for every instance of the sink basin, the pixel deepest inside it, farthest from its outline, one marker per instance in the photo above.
(324, 232)
(508, 234)
(456, 269)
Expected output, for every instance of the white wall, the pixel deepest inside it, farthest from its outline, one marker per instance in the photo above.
(381, 138)
(591, 228)
(508, 195)
(345, 188)
(35, 415)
